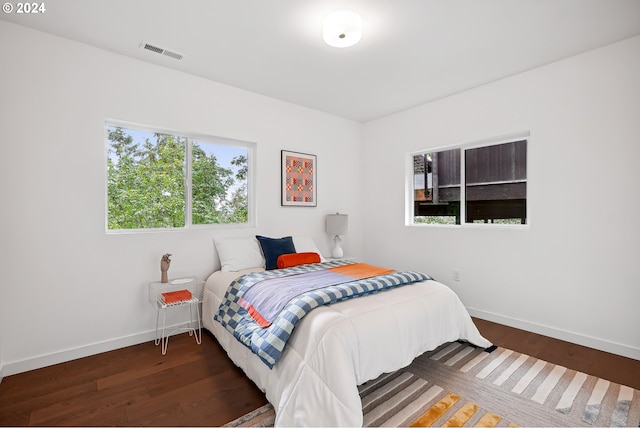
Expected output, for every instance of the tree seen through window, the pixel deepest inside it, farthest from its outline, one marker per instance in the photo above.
(148, 177)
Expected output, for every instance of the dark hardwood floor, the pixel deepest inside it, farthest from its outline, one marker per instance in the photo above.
(199, 386)
(135, 386)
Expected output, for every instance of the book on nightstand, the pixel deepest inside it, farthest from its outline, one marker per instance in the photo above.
(176, 296)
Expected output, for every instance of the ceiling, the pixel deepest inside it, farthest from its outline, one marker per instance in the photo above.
(411, 52)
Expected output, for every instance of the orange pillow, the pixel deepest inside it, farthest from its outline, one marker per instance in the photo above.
(295, 259)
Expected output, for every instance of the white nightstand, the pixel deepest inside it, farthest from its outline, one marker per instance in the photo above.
(194, 326)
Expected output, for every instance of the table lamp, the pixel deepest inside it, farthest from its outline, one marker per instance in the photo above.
(336, 226)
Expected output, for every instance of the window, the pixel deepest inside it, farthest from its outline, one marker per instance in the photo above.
(437, 187)
(164, 180)
(494, 190)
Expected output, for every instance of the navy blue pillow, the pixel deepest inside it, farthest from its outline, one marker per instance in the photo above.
(272, 248)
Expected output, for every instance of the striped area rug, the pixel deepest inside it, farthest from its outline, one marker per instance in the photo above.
(459, 385)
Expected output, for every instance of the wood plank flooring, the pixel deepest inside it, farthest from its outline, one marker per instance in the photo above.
(190, 385)
(199, 386)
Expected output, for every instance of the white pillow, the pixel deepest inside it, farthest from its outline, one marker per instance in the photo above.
(305, 244)
(238, 253)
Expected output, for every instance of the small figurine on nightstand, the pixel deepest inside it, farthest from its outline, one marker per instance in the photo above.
(164, 267)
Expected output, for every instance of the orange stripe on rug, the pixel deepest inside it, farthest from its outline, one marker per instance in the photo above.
(461, 417)
(361, 270)
(430, 416)
(488, 420)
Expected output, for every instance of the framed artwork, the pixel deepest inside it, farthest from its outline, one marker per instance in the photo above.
(298, 185)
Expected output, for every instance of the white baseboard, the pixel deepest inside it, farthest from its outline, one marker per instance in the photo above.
(15, 367)
(591, 342)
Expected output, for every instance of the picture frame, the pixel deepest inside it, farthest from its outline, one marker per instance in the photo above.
(299, 179)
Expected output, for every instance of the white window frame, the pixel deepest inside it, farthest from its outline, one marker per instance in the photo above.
(493, 141)
(191, 137)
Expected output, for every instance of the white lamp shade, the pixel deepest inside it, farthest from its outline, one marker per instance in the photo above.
(342, 29)
(337, 224)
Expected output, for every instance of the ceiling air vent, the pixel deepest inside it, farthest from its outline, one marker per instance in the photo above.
(156, 49)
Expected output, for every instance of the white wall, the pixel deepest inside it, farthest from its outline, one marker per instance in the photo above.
(575, 273)
(68, 289)
(1, 364)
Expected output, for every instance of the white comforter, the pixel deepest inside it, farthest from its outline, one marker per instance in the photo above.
(337, 347)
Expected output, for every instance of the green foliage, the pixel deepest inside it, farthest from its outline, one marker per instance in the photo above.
(219, 196)
(434, 219)
(146, 183)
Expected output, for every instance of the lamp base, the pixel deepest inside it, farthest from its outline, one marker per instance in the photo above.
(337, 252)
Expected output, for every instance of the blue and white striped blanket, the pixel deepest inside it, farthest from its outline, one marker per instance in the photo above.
(269, 342)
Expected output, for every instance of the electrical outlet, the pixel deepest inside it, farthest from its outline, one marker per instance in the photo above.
(456, 275)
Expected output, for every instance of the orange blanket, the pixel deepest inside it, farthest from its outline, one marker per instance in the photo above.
(361, 270)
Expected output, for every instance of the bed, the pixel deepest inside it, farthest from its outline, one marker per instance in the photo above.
(335, 348)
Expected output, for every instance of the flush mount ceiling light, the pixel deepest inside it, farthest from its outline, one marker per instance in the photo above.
(342, 29)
